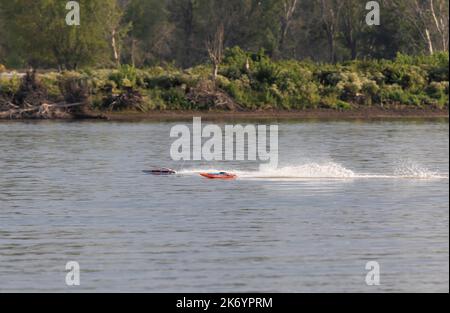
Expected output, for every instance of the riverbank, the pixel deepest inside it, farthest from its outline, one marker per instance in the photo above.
(371, 113)
(309, 114)
(247, 85)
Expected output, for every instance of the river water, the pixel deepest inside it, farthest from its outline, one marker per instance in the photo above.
(345, 193)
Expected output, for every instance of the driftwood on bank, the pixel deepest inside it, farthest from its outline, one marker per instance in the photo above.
(207, 95)
(42, 111)
(45, 111)
(31, 101)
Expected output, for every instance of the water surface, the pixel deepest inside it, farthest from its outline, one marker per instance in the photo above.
(346, 193)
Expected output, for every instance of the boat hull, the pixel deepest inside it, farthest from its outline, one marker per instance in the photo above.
(161, 172)
(219, 176)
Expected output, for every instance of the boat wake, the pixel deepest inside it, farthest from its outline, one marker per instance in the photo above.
(325, 171)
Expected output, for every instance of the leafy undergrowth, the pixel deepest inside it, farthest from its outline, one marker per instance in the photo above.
(250, 82)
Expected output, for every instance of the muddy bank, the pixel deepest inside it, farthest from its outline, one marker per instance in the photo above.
(310, 114)
(322, 114)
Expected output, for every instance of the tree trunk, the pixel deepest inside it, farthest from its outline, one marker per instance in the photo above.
(285, 21)
(429, 41)
(439, 26)
(188, 29)
(215, 50)
(114, 47)
(332, 47)
(133, 48)
(354, 50)
(215, 71)
(280, 49)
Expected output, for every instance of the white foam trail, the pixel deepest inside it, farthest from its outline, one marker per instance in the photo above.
(312, 170)
(411, 169)
(322, 171)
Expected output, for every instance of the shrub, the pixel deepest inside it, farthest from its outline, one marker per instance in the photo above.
(31, 91)
(9, 86)
(350, 90)
(438, 94)
(241, 92)
(126, 76)
(234, 63)
(154, 101)
(163, 81)
(74, 87)
(334, 103)
(263, 84)
(395, 94)
(307, 96)
(371, 90)
(176, 99)
(266, 72)
(51, 82)
(330, 78)
(222, 82)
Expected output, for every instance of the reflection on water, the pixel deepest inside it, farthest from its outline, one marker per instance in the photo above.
(346, 193)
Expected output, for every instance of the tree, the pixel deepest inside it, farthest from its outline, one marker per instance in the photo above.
(215, 50)
(38, 32)
(288, 10)
(439, 10)
(420, 19)
(352, 25)
(393, 35)
(2, 40)
(151, 33)
(429, 18)
(148, 32)
(118, 30)
(330, 11)
(182, 15)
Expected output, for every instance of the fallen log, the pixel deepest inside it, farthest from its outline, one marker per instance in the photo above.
(43, 111)
(66, 105)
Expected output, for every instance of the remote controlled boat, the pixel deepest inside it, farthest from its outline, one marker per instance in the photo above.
(219, 175)
(161, 171)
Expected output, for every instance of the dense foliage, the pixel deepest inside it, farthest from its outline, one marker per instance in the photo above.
(253, 81)
(157, 32)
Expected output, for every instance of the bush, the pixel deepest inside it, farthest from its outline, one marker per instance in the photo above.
(266, 73)
(241, 92)
(163, 81)
(154, 101)
(126, 76)
(437, 90)
(176, 99)
(439, 74)
(9, 86)
(350, 91)
(395, 94)
(331, 102)
(234, 63)
(438, 94)
(51, 82)
(330, 77)
(74, 87)
(252, 81)
(371, 90)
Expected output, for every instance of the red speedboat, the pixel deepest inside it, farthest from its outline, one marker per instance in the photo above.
(219, 175)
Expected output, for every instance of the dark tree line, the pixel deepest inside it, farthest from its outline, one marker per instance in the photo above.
(149, 32)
